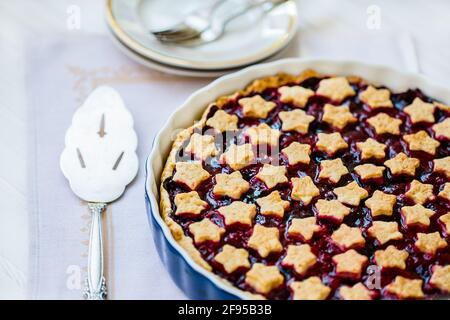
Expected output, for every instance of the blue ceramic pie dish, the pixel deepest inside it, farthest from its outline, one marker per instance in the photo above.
(195, 281)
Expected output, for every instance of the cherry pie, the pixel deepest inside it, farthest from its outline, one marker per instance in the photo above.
(316, 187)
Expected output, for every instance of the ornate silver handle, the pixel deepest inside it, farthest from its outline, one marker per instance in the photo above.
(95, 285)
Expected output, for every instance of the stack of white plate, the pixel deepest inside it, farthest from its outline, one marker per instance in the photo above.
(251, 38)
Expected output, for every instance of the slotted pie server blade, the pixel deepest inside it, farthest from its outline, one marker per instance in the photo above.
(99, 160)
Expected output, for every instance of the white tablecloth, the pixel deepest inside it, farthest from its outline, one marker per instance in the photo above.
(412, 35)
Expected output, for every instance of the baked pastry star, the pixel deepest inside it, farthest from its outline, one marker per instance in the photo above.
(335, 89)
(332, 170)
(272, 205)
(338, 116)
(384, 124)
(296, 120)
(331, 142)
(232, 258)
(191, 174)
(231, 185)
(272, 175)
(222, 121)
(430, 243)
(297, 153)
(300, 258)
(309, 289)
(265, 240)
(304, 189)
(401, 164)
(351, 194)
(371, 148)
(421, 141)
(420, 111)
(264, 278)
(405, 288)
(384, 231)
(238, 212)
(256, 107)
(376, 98)
(296, 94)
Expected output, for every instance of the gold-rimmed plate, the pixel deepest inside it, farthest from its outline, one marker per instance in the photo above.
(248, 39)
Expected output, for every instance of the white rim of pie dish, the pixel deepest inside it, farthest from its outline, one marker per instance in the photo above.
(196, 103)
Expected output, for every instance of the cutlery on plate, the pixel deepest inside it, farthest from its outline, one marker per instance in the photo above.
(99, 160)
(194, 23)
(212, 27)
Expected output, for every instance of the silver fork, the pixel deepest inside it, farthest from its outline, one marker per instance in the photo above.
(195, 23)
(217, 27)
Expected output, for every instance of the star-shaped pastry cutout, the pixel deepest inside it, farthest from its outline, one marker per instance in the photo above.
(232, 258)
(421, 141)
(202, 146)
(401, 164)
(309, 289)
(297, 95)
(263, 134)
(430, 243)
(238, 156)
(384, 231)
(335, 89)
(231, 185)
(382, 123)
(420, 192)
(369, 171)
(206, 230)
(264, 278)
(442, 166)
(256, 107)
(338, 116)
(190, 174)
(376, 98)
(304, 189)
(381, 204)
(300, 258)
(296, 120)
(420, 111)
(391, 257)
(222, 121)
(445, 222)
(357, 292)
(350, 263)
(441, 278)
(272, 205)
(272, 175)
(331, 143)
(189, 204)
(297, 153)
(238, 212)
(371, 148)
(346, 237)
(332, 170)
(303, 228)
(351, 194)
(265, 240)
(405, 288)
(445, 192)
(442, 129)
(331, 209)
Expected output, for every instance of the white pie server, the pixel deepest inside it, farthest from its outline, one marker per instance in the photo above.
(99, 160)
